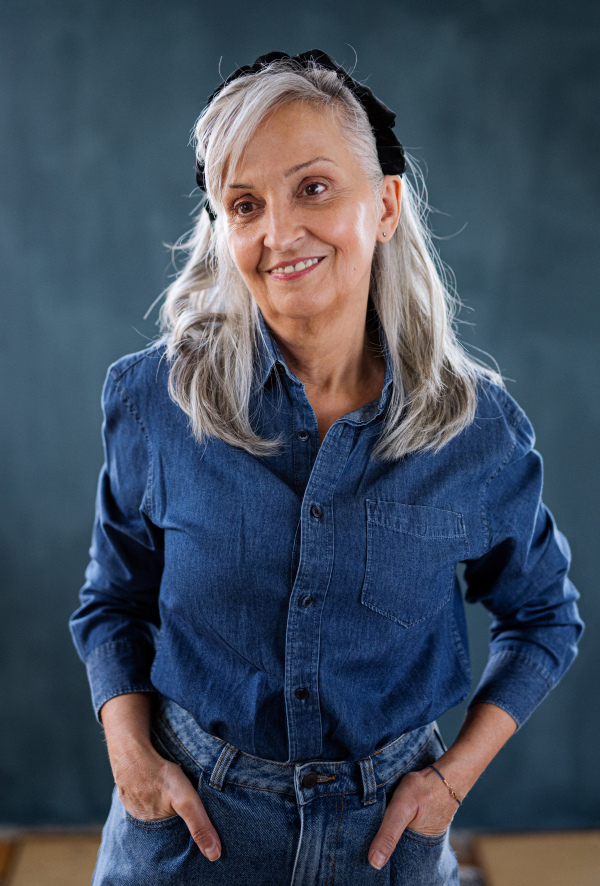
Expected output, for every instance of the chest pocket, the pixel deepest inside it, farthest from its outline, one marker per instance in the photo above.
(412, 552)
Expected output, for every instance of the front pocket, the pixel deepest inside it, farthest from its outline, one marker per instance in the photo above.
(412, 552)
(155, 824)
(424, 839)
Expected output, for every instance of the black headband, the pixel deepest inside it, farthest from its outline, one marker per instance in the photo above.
(381, 118)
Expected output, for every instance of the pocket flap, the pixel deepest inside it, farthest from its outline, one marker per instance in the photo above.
(418, 520)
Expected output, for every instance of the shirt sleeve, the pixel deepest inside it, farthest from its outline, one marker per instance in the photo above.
(522, 581)
(115, 627)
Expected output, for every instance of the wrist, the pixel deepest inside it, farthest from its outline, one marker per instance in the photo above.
(451, 791)
(485, 730)
(126, 720)
(132, 755)
(460, 773)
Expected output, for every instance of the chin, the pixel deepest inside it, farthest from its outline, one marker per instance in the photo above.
(301, 308)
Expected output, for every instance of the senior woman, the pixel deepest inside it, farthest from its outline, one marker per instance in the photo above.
(271, 619)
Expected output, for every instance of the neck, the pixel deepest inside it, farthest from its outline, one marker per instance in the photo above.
(336, 361)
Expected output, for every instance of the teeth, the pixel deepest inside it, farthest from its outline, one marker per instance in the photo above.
(301, 266)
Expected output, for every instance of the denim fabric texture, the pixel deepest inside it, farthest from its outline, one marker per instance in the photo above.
(279, 824)
(305, 606)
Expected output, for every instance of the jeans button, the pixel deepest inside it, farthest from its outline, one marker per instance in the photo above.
(316, 512)
(310, 779)
(302, 693)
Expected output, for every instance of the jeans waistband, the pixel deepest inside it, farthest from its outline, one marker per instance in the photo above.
(222, 763)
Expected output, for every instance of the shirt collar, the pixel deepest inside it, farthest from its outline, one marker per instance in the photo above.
(269, 355)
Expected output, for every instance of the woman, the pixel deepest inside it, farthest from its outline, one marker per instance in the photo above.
(271, 619)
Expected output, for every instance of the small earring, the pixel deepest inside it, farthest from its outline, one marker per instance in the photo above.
(384, 234)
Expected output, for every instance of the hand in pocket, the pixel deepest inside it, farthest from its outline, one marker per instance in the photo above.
(152, 788)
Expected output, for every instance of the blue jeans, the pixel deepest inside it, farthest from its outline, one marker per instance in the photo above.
(280, 824)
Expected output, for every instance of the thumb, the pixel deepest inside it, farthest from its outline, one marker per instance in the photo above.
(189, 807)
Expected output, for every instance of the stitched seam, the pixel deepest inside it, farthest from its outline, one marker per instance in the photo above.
(110, 646)
(215, 772)
(486, 532)
(146, 354)
(372, 778)
(407, 624)
(367, 773)
(336, 839)
(508, 708)
(364, 778)
(225, 756)
(510, 653)
(230, 758)
(128, 402)
(329, 843)
(391, 745)
(294, 546)
(425, 842)
(458, 644)
(375, 522)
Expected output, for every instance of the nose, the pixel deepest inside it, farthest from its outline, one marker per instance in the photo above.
(283, 228)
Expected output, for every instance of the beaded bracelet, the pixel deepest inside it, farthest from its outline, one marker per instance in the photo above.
(450, 788)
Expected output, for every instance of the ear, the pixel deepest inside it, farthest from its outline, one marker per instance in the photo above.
(391, 194)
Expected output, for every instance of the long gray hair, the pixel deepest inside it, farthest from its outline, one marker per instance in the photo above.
(210, 321)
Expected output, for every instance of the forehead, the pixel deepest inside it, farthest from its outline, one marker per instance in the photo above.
(290, 135)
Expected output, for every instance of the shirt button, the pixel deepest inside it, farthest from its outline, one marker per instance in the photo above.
(301, 693)
(303, 434)
(316, 512)
(310, 779)
(306, 601)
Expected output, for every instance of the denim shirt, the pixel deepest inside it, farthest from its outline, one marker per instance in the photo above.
(306, 605)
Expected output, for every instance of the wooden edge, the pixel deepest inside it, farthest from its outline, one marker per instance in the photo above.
(8, 853)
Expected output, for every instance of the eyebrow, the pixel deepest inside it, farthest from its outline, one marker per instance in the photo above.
(291, 171)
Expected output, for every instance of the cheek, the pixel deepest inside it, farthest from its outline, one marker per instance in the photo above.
(354, 235)
(244, 253)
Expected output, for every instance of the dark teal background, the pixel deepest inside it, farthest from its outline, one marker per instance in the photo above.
(499, 99)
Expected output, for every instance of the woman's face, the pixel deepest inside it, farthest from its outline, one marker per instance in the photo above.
(299, 196)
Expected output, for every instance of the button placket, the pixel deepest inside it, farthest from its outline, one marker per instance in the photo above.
(303, 448)
(308, 598)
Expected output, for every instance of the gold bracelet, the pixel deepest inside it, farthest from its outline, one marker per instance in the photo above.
(448, 785)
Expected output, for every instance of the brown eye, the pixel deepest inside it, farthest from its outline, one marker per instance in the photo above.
(244, 208)
(311, 188)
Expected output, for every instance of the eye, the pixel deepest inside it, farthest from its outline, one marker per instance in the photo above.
(244, 208)
(311, 188)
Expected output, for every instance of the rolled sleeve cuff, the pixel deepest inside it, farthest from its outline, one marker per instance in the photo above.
(117, 668)
(514, 682)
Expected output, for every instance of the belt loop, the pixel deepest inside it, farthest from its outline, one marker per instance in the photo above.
(221, 766)
(368, 780)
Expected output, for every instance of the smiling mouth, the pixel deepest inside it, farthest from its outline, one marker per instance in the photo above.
(297, 268)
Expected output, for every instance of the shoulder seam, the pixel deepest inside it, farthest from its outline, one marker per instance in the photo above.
(132, 408)
(118, 371)
(513, 421)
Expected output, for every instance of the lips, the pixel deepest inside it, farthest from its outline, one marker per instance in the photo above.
(295, 269)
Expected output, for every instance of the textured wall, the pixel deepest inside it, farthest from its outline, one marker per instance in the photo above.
(499, 98)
